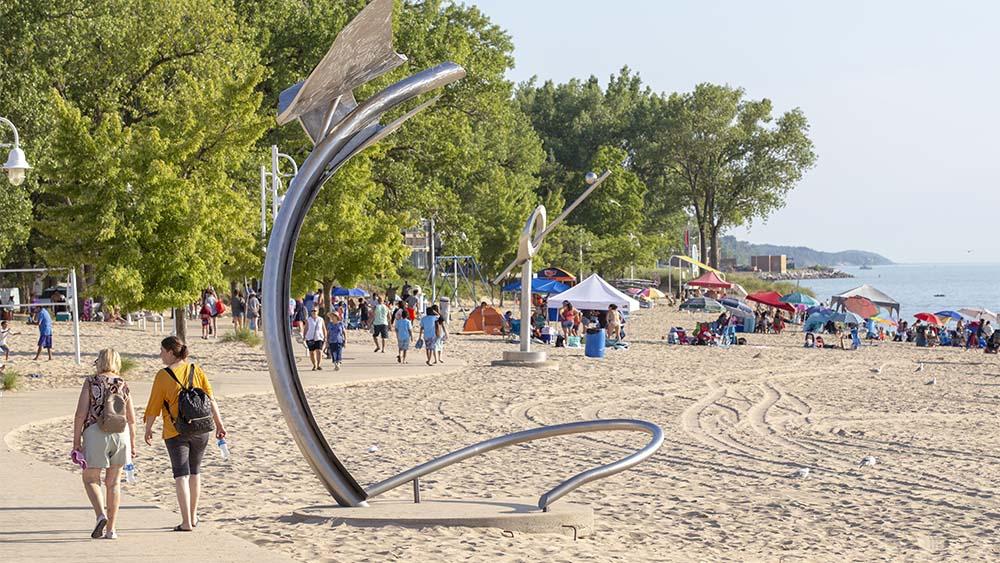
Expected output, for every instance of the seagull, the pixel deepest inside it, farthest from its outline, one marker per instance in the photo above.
(877, 370)
(867, 461)
(920, 367)
(758, 355)
(372, 448)
(801, 473)
(932, 381)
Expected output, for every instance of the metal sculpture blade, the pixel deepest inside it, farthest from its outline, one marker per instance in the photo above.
(361, 52)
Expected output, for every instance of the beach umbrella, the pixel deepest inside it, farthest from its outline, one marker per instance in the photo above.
(652, 293)
(352, 292)
(736, 307)
(886, 322)
(771, 299)
(976, 313)
(949, 315)
(848, 317)
(703, 304)
(799, 298)
(817, 309)
(861, 305)
(929, 318)
(633, 291)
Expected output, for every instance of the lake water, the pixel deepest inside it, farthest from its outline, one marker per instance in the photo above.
(915, 285)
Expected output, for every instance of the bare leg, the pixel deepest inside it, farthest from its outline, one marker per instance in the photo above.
(194, 484)
(184, 500)
(112, 483)
(38, 353)
(92, 484)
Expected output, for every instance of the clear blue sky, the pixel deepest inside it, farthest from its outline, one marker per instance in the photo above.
(902, 97)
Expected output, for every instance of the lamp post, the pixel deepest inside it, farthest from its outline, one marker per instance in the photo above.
(16, 165)
(275, 176)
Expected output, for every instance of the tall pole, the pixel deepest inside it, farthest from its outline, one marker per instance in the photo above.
(434, 291)
(75, 304)
(580, 279)
(526, 306)
(263, 203)
(275, 182)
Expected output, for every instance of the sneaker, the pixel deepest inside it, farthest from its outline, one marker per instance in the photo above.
(111, 535)
(102, 521)
(336, 367)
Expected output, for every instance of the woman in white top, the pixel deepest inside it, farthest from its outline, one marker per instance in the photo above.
(314, 333)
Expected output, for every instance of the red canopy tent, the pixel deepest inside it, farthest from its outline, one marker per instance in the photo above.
(710, 280)
(771, 299)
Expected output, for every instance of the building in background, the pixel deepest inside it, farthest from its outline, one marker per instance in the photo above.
(776, 264)
(417, 239)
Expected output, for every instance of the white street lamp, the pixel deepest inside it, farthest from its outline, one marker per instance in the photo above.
(275, 175)
(16, 165)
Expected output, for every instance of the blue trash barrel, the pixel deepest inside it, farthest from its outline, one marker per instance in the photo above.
(594, 345)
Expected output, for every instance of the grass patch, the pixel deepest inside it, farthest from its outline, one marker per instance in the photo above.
(10, 381)
(128, 364)
(244, 335)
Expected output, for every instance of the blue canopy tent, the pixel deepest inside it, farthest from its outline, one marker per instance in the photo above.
(352, 292)
(538, 285)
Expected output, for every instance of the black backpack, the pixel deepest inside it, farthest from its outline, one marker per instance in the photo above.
(194, 407)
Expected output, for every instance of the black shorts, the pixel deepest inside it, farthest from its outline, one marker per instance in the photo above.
(314, 345)
(186, 453)
(380, 330)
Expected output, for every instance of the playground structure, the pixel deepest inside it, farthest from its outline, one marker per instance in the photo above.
(341, 127)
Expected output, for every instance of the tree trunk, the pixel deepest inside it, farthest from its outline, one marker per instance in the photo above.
(327, 299)
(702, 244)
(716, 254)
(180, 323)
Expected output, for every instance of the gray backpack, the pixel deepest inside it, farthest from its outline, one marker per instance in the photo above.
(113, 418)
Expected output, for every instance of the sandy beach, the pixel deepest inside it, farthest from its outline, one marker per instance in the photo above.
(738, 423)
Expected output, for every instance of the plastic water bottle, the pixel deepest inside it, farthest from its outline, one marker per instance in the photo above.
(224, 448)
(130, 473)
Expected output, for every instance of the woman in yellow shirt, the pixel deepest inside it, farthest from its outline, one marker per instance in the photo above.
(186, 451)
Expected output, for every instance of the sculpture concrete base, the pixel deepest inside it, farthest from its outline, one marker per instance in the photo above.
(510, 515)
(518, 359)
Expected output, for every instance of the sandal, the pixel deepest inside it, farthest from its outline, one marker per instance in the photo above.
(180, 528)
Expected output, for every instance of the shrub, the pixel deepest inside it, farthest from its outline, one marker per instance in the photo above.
(11, 380)
(128, 364)
(243, 335)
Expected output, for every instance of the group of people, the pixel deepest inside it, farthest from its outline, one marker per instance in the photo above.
(971, 335)
(104, 431)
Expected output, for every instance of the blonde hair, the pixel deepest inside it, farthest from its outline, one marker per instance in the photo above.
(108, 361)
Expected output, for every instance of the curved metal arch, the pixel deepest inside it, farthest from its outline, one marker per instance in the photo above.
(344, 140)
(531, 435)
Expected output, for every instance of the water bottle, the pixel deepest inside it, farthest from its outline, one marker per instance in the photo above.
(130, 473)
(224, 449)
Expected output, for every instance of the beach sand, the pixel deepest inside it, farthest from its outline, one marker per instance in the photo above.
(738, 423)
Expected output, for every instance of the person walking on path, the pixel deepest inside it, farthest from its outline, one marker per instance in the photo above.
(253, 311)
(314, 333)
(404, 335)
(186, 450)
(104, 433)
(428, 332)
(336, 338)
(440, 335)
(363, 315)
(44, 332)
(380, 324)
(206, 320)
(238, 308)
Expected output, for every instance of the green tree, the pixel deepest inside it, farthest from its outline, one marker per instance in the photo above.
(153, 114)
(727, 158)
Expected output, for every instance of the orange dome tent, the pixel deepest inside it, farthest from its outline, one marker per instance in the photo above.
(484, 319)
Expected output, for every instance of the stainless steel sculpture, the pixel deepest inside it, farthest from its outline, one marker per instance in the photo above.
(340, 128)
(532, 236)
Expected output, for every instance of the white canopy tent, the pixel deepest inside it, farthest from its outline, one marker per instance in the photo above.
(870, 293)
(595, 294)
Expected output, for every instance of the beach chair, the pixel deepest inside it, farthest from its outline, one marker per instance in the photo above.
(515, 330)
(354, 321)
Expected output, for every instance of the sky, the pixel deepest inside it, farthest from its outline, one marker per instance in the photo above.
(901, 97)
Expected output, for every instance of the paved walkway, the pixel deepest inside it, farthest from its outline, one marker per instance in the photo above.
(44, 512)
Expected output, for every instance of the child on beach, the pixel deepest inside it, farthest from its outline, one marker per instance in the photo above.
(206, 320)
(404, 334)
(5, 333)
